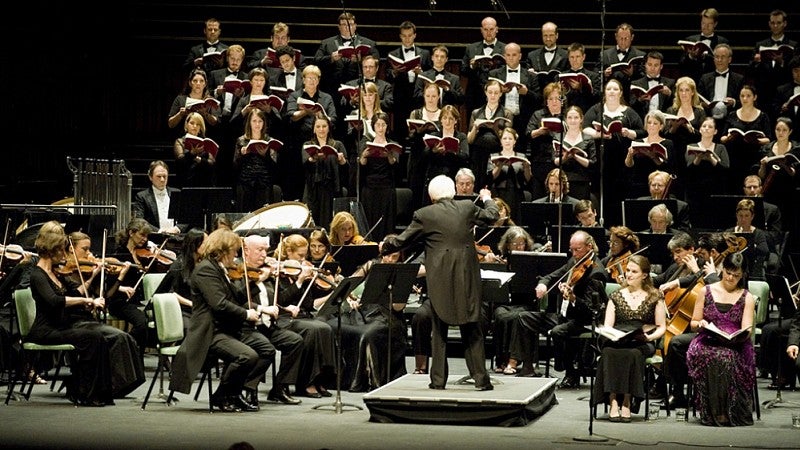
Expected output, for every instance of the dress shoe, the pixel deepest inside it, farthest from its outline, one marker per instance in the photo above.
(655, 393)
(280, 395)
(242, 403)
(224, 404)
(529, 373)
(324, 392)
(433, 386)
(309, 394)
(570, 382)
(485, 387)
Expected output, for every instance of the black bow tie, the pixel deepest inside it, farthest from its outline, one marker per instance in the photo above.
(288, 74)
(409, 50)
(774, 42)
(438, 72)
(368, 80)
(549, 51)
(656, 79)
(346, 41)
(723, 75)
(485, 45)
(622, 52)
(513, 70)
(236, 74)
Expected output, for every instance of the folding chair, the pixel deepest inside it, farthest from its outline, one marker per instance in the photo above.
(169, 329)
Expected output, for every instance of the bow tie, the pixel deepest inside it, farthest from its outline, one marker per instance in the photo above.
(369, 80)
(288, 74)
(347, 41)
(513, 70)
(549, 51)
(656, 79)
(409, 50)
(485, 45)
(723, 75)
(236, 74)
(438, 72)
(622, 52)
(774, 42)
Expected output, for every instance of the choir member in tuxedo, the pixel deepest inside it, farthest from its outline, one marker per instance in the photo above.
(256, 170)
(783, 180)
(653, 65)
(227, 131)
(195, 166)
(745, 154)
(694, 63)
(430, 111)
(659, 185)
(541, 138)
(722, 86)
(212, 30)
(549, 57)
(377, 173)
(337, 69)
(440, 161)
(445, 228)
(404, 81)
(261, 292)
(217, 330)
(623, 51)
(781, 106)
(450, 95)
(262, 58)
(510, 180)
(614, 145)
(706, 172)
(196, 89)
(580, 168)
(152, 203)
(684, 130)
(369, 69)
(640, 166)
(301, 128)
(766, 72)
(477, 71)
(580, 94)
(520, 101)
(483, 140)
(289, 75)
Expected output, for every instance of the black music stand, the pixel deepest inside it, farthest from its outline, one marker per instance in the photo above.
(782, 292)
(634, 211)
(193, 205)
(331, 306)
(541, 217)
(723, 211)
(392, 282)
(350, 257)
(657, 252)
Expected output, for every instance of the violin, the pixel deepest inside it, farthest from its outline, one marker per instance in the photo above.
(112, 266)
(617, 266)
(575, 274)
(237, 273)
(289, 268)
(165, 257)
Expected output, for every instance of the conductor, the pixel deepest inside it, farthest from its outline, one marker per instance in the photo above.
(453, 272)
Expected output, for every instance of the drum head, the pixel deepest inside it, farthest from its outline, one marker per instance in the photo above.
(276, 215)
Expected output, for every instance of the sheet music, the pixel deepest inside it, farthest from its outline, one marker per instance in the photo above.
(503, 277)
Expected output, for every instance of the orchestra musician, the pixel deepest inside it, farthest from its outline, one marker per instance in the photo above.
(445, 227)
(659, 183)
(622, 243)
(177, 278)
(344, 230)
(216, 330)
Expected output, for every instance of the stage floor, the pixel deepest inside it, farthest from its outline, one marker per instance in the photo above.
(514, 401)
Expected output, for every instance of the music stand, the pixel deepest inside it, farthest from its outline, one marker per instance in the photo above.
(657, 252)
(474, 198)
(193, 205)
(781, 291)
(599, 234)
(723, 211)
(334, 305)
(350, 257)
(635, 210)
(394, 283)
(541, 217)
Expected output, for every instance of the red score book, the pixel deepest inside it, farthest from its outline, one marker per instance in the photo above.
(419, 125)
(492, 60)
(215, 59)
(314, 107)
(615, 126)
(751, 136)
(348, 91)
(501, 159)
(313, 150)
(497, 124)
(652, 150)
(554, 124)
(382, 150)
(567, 78)
(348, 51)
(696, 150)
(550, 73)
(793, 101)
(235, 84)
(265, 102)
(400, 65)
(258, 145)
(195, 105)
(354, 119)
(298, 55)
(775, 51)
(699, 47)
(441, 82)
(282, 92)
(639, 91)
(506, 85)
(622, 65)
(450, 143)
(208, 145)
(568, 150)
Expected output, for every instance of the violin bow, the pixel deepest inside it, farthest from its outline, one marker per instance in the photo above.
(149, 265)
(313, 279)
(491, 230)
(278, 277)
(5, 241)
(373, 228)
(80, 274)
(102, 268)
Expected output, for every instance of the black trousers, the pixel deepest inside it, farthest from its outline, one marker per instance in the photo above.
(291, 346)
(246, 360)
(474, 353)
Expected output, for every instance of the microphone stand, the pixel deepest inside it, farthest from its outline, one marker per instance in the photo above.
(602, 147)
(591, 437)
(358, 109)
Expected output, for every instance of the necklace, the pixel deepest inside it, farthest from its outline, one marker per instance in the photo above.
(435, 111)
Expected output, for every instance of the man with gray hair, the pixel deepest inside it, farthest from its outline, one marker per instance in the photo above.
(453, 273)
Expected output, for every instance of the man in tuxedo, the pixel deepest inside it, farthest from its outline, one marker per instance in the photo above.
(660, 219)
(658, 182)
(211, 31)
(577, 93)
(336, 69)
(722, 86)
(152, 204)
(477, 71)
(695, 63)
(522, 100)
(404, 82)
(452, 95)
(262, 57)
(623, 51)
(768, 72)
(445, 228)
(226, 132)
(643, 104)
(369, 68)
(549, 57)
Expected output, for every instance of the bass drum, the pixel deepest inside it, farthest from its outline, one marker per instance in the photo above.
(25, 234)
(276, 215)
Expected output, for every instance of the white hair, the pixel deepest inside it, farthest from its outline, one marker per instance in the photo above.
(256, 239)
(441, 187)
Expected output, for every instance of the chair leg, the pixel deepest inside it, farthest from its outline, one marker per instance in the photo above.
(153, 382)
(210, 392)
(206, 373)
(757, 404)
(12, 381)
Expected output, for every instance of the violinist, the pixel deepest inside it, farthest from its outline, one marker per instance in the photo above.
(579, 281)
(344, 230)
(177, 277)
(261, 292)
(659, 183)
(108, 365)
(622, 243)
(297, 311)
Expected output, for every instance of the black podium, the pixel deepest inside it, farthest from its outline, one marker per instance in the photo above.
(391, 283)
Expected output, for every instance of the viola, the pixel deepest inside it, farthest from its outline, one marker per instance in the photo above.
(617, 266)
(14, 252)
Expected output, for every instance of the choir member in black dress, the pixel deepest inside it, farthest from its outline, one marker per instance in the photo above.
(580, 164)
(541, 138)
(683, 129)
(256, 168)
(429, 113)
(377, 193)
(322, 181)
(195, 165)
(744, 153)
(642, 163)
(484, 139)
(509, 179)
(444, 162)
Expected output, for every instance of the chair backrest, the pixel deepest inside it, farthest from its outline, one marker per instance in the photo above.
(168, 317)
(611, 287)
(150, 283)
(26, 310)
(760, 289)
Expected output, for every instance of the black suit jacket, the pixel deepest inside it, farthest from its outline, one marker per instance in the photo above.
(609, 57)
(735, 83)
(217, 78)
(454, 96)
(536, 62)
(278, 78)
(476, 77)
(664, 101)
(592, 282)
(199, 50)
(587, 96)
(335, 73)
(400, 78)
(695, 68)
(144, 206)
